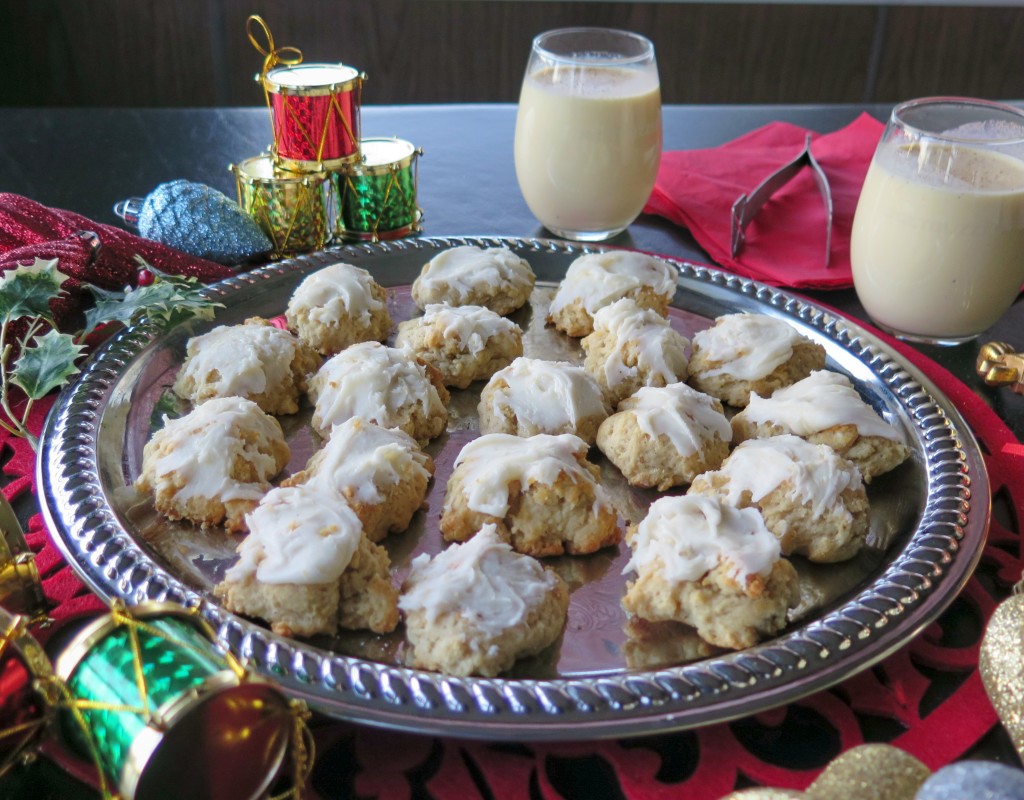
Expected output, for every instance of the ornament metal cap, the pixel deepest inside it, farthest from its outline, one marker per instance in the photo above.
(21, 588)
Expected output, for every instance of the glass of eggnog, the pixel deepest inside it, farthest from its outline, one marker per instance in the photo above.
(937, 247)
(588, 131)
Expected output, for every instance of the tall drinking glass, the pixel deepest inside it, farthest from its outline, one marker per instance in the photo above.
(937, 247)
(588, 131)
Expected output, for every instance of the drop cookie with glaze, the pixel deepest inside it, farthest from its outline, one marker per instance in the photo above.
(495, 278)
(307, 568)
(214, 464)
(825, 408)
(532, 396)
(744, 353)
(256, 360)
(717, 568)
(337, 306)
(476, 608)
(541, 493)
(464, 343)
(811, 498)
(596, 280)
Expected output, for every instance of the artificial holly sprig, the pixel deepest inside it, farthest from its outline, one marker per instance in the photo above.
(47, 358)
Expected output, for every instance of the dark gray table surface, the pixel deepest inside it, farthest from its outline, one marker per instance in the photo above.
(86, 160)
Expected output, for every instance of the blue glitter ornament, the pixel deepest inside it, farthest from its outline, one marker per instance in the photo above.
(201, 221)
(977, 780)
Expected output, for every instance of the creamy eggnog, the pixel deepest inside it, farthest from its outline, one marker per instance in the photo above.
(587, 145)
(937, 246)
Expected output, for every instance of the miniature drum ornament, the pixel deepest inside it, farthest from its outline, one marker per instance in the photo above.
(24, 711)
(164, 713)
(314, 110)
(299, 212)
(377, 194)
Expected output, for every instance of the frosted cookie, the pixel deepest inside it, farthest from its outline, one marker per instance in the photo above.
(541, 493)
(633, 347)
(337, 306)
(665, 436)
(475, 608)
(599, 279)
(381, 473)
(383, 385)
(307, 568)
(824, 408)
(256, 361)
(464, 343)
(744, 353)
(532, 396)
(712, 566)
(811, 498)
(495, 278)
(214, 464)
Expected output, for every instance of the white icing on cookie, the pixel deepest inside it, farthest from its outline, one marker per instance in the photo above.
(748, 346)
(493, 461)
(203, 445)
(820, 401)
(818, 475)
(472, 326)
(598, 279)
(462, 270)
(547, 394)
(660, 351)
(337, 292)
(686, 537)
(483, 580)
(371, 381)
(242, 360)
(297, 534)
(687, 417)
(360, 458)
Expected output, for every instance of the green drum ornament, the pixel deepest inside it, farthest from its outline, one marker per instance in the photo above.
(378, 192)
(298, 211)
(164, 714)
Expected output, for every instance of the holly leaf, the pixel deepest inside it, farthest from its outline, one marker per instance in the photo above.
(26, 291)
(169, 300)
(46, 364)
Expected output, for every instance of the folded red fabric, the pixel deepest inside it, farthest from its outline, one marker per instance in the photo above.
(88, 252)
(785, 242)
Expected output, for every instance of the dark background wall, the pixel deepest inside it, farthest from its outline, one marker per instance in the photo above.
(195, 52)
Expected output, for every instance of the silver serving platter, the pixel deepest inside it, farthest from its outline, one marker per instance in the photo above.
(929, 519)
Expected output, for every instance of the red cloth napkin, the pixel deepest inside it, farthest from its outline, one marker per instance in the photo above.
(785, 243)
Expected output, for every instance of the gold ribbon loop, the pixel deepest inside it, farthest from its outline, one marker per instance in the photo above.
(272, 55)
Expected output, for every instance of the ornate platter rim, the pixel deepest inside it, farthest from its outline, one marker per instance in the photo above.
(915, 587)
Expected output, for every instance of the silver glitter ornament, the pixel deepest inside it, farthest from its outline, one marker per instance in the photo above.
(201, 221)
(977, 780)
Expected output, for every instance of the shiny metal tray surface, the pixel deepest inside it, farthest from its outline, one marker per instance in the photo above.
(928, 524)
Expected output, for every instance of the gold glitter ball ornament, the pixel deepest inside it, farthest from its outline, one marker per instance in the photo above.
(870, 772)
(1002, 665)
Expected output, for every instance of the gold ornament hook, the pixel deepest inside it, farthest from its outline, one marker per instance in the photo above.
(272, 55)
(999, 365)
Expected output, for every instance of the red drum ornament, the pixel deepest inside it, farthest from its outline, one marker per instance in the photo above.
(24, 710)
(315, 113)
